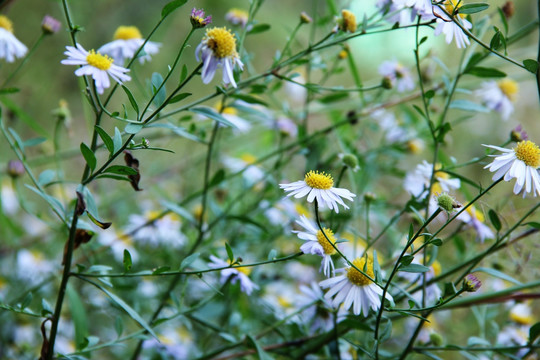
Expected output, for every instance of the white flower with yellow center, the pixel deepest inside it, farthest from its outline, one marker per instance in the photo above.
(10, 46)
(520, 163)
(417, 182)
(117, 243)
(246, 163)
(237, 17)
(218, 48)
(498, 96)
(355, 289)
(317, 244)
(237, 274)
(100, 67)
(475, 218)
(126, 41)
(447, 25)
(399, 75)
(319, 186)
(151, 229)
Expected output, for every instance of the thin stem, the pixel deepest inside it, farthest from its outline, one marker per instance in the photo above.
(24, 60)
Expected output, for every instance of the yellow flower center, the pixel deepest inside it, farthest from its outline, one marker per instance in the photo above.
(356, 277)
(125, 239)
(327, 245)
(349, 21)
(318, 180)
(244, 270)
(284, 301)
(6, 23)
(343, 54)
(509, 88)
(221, 41)
(301, 209)
(238, 14)
(415, 146)
(102, 62)
(520, 318)
(437, 268)
(528, 152)
(127, 33)
(450, 6)
(248, 158)
(476, 213)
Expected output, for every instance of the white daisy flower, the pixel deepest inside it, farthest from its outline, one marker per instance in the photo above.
(354, 289)
(126, 41)
(423, 7)
(95, 64)
(164, 231)
(520, 163)
(399, 75)
(317, 244)
(498, 96)
(416, 183)
(319, 186)
(396, 12)
(33, 266)
(475, 219)
(218, 48)
(238, 274)
(10, 46)
(252, 173)
(447, 25)
(319, 314)
(118, 242)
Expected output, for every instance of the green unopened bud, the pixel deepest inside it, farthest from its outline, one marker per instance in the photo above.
(436, 339)
(369, 196)
(305, 18)
(386, 83)
(350, 161)
(447, 202)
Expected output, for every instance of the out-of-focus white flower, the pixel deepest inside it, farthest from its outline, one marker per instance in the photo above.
(283, 298)
(319, 314)
(498, 96)
(475, 219)
(238, 274)
(100, 67)
(9, 201)
(32, 266)
(252, 173)
(520, 163)
(164, 231)
(175, 342)
(126, 41)
(396, 12)
(393, 132)
(416, 182)
(286, 126)
(423, 7)
(118, 242)
(218, 49)
(10, 46)
(237, 17)
(447, 25)
(399, 75)
(294, 91)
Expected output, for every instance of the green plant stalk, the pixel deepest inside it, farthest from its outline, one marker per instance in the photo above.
(288, 43)
(24, 60)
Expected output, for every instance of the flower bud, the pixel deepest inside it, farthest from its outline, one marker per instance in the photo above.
(350, 160)
(518, 134)
(50, 25)
(305, 18)
(508, 9)
(369, 196)
(15, 168)
(447, 202)
(386, 83)
(198, 20)
(436, 339)
(471, 283)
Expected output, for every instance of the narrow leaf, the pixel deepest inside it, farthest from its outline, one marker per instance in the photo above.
(494, 218)
(531, 65)
(117, 140)
(128, 263)
(78, 315)
(121, 170)
(230, 253)
(485, 72)
(159, 97)
(107, 140)
(179, 97)
(131, 100)
(414, 268)
(170, 7)
(472, 8)
(212, 114)
(188, 261)
(88, 156)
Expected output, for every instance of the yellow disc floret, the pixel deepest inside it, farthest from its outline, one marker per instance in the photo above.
(348, 21)
(222, 42)
(318, 180)
(356, 277)
(528, 152)
(437, 268)
(244, 270)
(450, 6)
(127, 33)
(509, 88)
(248, 158)
(102, 62)
(327, 245)
(6, 23)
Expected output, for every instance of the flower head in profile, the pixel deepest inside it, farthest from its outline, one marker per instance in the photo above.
(499, 96)
(520, 163)
(398, 75)
(355, 289)
(417, 182)
(237, 17)
(347, 22)
(198, 20)
(471, 283)
(447, 25)
(218, 48)
(236, 274)
(100, 67)
(316, 243)
(126, 41)
(10, 46)
(320, 186)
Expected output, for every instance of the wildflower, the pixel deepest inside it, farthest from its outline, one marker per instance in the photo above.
(295, 91)
(198, 20)
(447, 202)
(15, 168)
(350, 161)
(251, 172)
(286, 126)
(417, 182)
(237, 274)
(475, 218)
(9, 203)
(283, 299)
(347, 22)
(50, 25)
(396, 12)
(126, 41)
(393, 131)
(498, 96)
(10, 46)
(355, 289)
(305, 18)
(518, 134)
(173, 342)
(237, 17)
(319, 186)
(317, 244)
(520, 163)
(447, 25)
(33, 266)
(319, 314)
(218, 48)
(471, 283)
(152, 230)
(118, 242)
(95, 64)
(422, 7)
(399, 75)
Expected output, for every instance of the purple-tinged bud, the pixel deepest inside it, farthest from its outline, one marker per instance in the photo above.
(198, 20)
(50, 25)
(471, 283)
(15, 168)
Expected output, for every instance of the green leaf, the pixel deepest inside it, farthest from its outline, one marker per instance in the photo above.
(78, 316)
(533, 224)
(188, 261)
(249, 99)
(484, 72)
(472, 8)
(414, 268)
(495, 42)
(272, 254)
(178, 130)
(128, 263)
(26, 301)
(101, 224)
(534, 332)
(121, 170)
(337, 96)
(107, 140)
(133, 128)
(212, 114)
(159, 97)
(34, 141)
(259, 29)
(46, 308)
(119, 326)
(114, 177)
(406, 260)
(531, 65)
(9, 91)
(436, 242)
(497, 274)
(183, 74)
(89, 156)
(179, 97)
(468, 106)
(170, 7)
(46, 177)
(494, 218)
(261, 354)
(179, 210)
(131, 100)
(53, 202)
(117, 140)
(23, 116)
(230, 253)
(218, 177)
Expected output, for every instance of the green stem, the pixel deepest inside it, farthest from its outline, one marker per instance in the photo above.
(24, 60)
